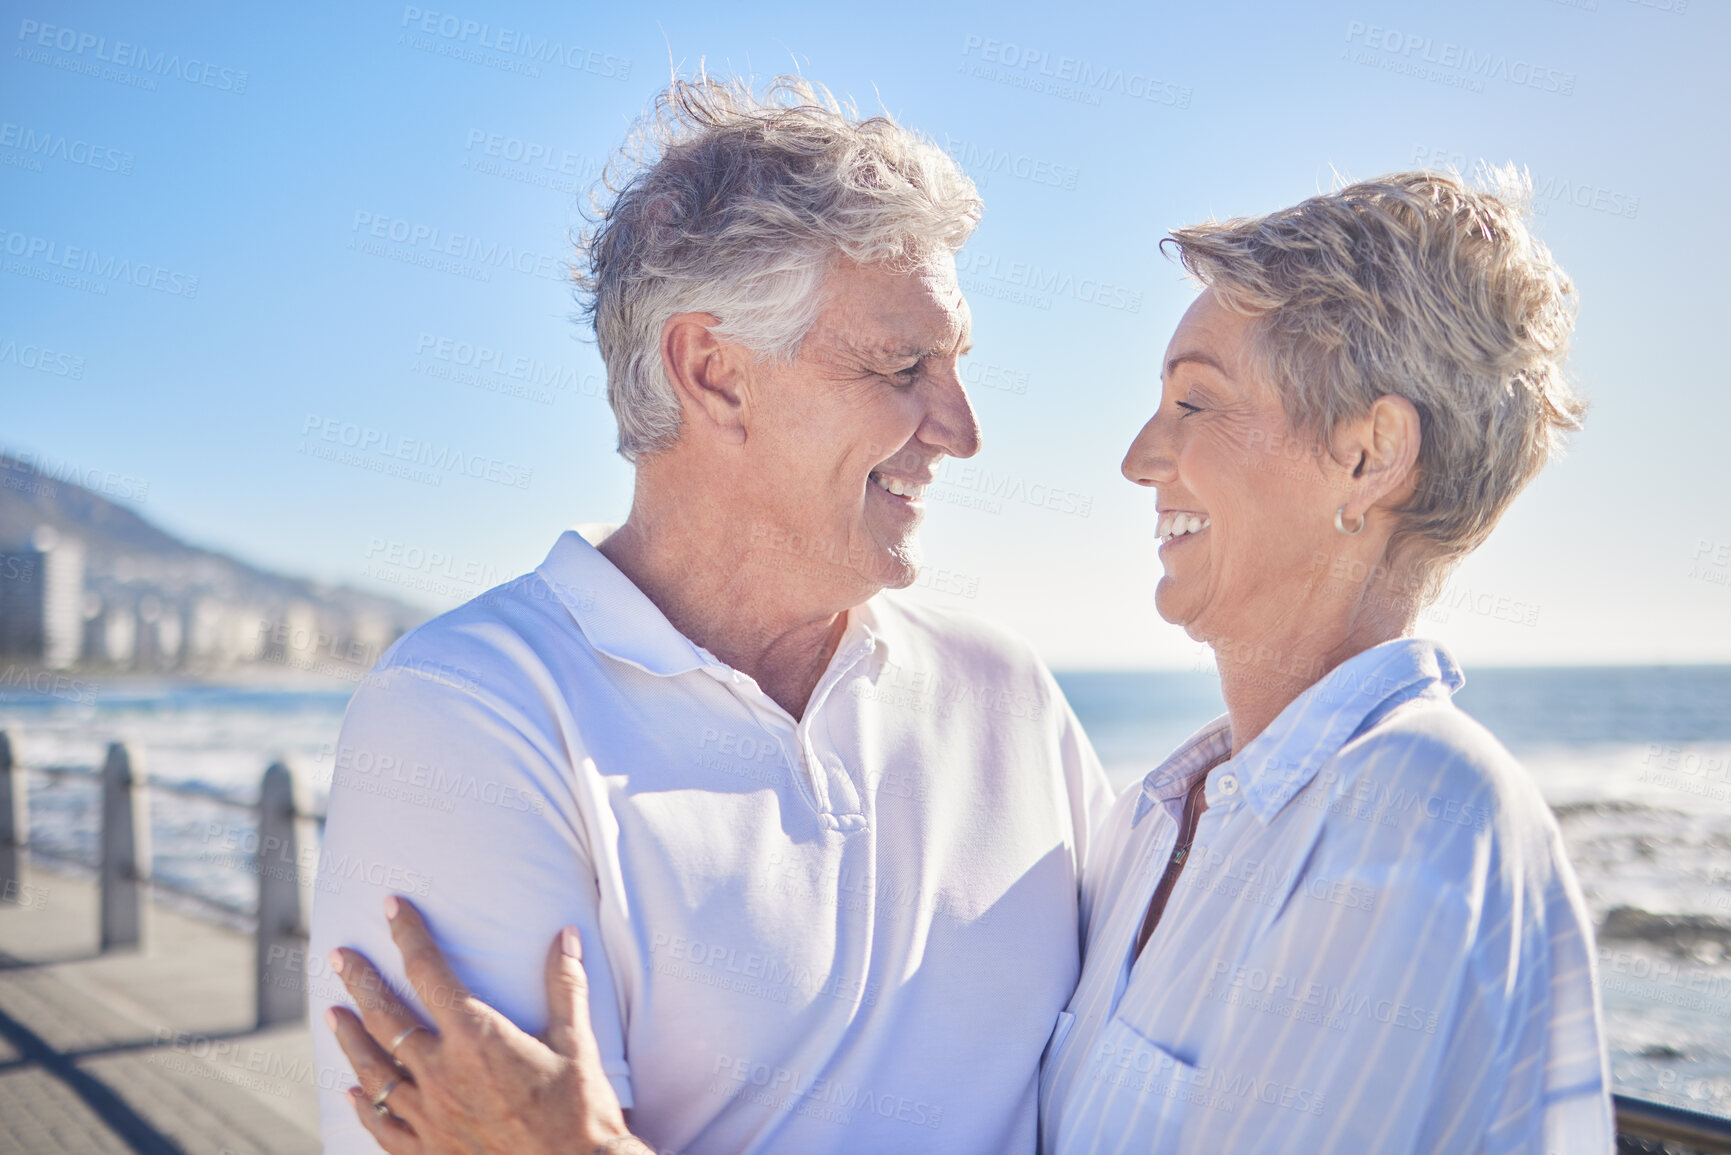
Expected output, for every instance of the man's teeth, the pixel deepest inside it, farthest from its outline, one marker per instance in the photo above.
(1178, 524)
(899, 488)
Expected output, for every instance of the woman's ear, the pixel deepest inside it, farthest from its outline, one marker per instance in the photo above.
(711, 377)
(1396, 434)
(1383, 447)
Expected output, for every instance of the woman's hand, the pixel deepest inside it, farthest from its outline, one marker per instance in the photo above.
(472, 1082)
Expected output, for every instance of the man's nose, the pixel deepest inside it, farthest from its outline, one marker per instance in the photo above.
(950, 423)
(1150, 460)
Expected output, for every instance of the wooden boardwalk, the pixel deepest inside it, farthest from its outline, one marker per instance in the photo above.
(151, 1051)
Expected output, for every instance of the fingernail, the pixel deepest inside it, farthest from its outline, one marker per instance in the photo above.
(392, 907)
(571, 943)
(336, 960)
(331, 1018)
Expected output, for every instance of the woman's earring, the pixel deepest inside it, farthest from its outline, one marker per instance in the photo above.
(1340, 523)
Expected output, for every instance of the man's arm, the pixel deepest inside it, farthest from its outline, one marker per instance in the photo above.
(469, 1082)
(444, 794)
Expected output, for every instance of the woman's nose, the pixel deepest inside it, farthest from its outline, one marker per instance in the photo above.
(1150, 460)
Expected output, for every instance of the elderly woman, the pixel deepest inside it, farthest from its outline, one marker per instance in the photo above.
(1339, 918)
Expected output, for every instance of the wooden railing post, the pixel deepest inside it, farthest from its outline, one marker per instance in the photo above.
(284, 895)
(14, 823)
(124, 860)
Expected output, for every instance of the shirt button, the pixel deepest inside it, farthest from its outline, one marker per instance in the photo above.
(1228, 784)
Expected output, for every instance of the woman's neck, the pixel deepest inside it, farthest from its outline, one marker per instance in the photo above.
(1259, 678)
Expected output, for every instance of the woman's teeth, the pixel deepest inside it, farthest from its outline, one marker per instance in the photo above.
(899, 488)
(1178, 524)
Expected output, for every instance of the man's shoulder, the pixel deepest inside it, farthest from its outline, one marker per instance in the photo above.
(495, 639)
(955, 639)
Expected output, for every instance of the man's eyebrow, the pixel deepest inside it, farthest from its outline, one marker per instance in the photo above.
(900, 350)
(1199, 358)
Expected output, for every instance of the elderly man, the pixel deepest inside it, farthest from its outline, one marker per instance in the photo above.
(815, 842)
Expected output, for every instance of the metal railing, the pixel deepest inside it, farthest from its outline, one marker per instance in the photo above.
(1676, 1128)
(284, 821)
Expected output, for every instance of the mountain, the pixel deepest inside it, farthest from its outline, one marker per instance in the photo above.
(152, 601)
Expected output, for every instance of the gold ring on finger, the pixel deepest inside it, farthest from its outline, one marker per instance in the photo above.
(401, 1035)
(384, 1093)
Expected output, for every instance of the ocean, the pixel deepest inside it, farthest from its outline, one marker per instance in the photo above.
(1635, 761)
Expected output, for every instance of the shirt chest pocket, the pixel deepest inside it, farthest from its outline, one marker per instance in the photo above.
(1128, 1085)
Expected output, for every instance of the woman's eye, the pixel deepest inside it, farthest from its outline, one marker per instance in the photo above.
(1188, 408)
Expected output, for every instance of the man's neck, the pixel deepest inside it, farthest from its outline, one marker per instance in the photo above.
(763, 624)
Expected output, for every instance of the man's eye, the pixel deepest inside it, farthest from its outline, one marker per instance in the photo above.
(904, 376)
(1188, 408)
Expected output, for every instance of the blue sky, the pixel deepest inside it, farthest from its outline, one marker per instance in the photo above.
(375, 205)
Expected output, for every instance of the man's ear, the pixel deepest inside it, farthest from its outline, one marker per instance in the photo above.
(712, 377)
(1381, 451)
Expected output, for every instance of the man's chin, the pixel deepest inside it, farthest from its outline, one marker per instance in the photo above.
(894, 567)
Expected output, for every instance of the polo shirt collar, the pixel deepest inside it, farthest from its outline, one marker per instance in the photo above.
(1282, 760)
(620, 621)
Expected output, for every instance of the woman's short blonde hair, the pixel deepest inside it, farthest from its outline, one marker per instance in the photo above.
(1417, 285)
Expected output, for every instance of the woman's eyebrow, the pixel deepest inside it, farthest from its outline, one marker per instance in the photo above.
(1199, 358)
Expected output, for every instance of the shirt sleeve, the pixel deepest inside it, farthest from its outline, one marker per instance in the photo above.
(445, 794)
(1582, 1125)
(1091, 795)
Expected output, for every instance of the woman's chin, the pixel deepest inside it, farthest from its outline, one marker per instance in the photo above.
(1169, 604)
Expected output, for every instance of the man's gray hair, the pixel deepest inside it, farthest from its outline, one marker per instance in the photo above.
(737, 204)
(1417, 285)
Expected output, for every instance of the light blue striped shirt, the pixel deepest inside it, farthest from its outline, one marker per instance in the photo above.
(1377, 944)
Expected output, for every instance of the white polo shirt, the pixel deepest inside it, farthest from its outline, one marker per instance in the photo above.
(851, 932)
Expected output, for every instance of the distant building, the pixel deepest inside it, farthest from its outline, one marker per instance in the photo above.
(42, 600)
